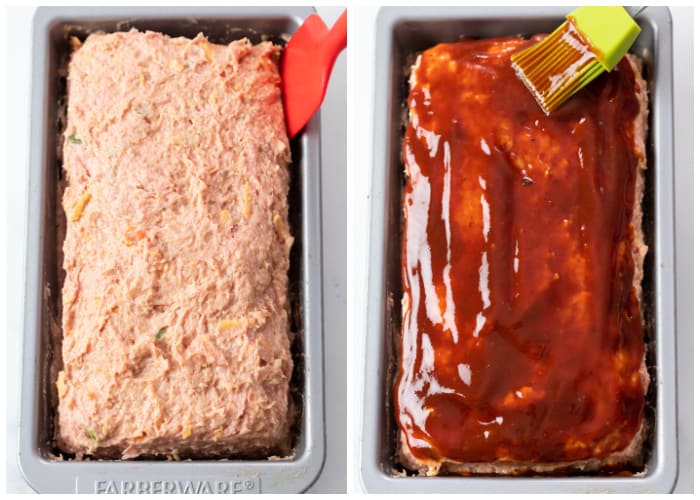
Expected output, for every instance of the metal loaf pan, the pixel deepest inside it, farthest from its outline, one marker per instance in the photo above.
(42, 469)
(403, 32)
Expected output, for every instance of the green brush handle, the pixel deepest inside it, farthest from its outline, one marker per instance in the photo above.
(611, 31)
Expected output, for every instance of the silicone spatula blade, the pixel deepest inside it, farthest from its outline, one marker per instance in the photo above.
(307, 61)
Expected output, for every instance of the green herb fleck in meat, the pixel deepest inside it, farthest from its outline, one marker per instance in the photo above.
(89, 433)
(160, 334)
(74, 139)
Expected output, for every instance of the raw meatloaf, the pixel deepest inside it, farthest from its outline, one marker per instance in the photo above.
(522, 346)
(176, 339)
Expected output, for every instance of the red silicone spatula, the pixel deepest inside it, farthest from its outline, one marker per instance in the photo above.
(307, 61)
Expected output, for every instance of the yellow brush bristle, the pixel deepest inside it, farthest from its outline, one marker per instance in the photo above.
(557, 67)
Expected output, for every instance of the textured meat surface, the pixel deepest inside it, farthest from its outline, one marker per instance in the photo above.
(176, 336)
(522, 343)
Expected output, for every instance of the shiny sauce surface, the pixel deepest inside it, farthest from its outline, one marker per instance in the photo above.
(522, 336)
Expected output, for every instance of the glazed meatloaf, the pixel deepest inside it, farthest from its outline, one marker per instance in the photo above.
(522, 346)
(175, 330)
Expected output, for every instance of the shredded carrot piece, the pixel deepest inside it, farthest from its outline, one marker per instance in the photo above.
(279, 226)
(246, 201)
(79, 207)
(224, 216)
(61, 384)
(225, 324)
(176, 66)
(207, 51)
(130, 237)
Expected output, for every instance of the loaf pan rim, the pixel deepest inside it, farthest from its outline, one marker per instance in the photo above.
(663, 472)
(46, 475)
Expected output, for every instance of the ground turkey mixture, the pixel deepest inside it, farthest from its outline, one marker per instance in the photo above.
(176, 337)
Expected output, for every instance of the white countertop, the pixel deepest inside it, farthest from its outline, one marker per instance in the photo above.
(336, 239)
(333, 148)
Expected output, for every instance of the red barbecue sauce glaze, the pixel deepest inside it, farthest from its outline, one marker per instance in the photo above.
(522, 335)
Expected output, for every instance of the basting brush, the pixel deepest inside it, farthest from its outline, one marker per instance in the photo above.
(590, 41)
